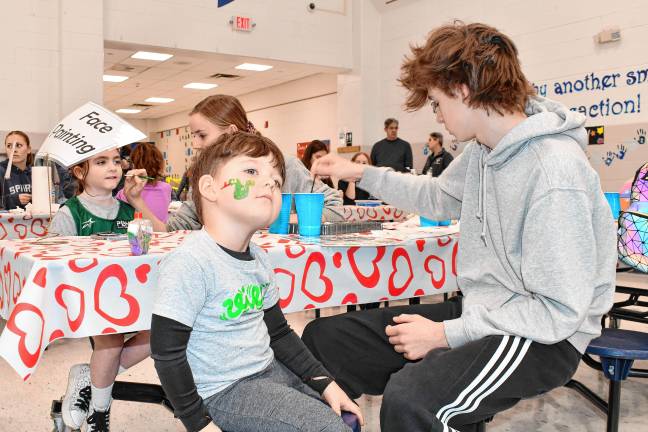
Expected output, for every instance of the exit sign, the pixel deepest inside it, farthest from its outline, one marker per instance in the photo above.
(241, 23)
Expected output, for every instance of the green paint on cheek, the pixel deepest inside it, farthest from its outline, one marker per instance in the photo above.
(241, 190)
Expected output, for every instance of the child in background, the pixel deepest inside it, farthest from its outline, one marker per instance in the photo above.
(222, 347)
(93, 210)
(156, 193)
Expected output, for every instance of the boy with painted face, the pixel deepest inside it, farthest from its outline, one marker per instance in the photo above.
(223, 350)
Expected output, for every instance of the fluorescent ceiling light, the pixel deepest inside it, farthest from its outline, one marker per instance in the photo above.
(128, 111)
(253, 67)
(159, 100)
(200, 86)
(146, 55)
(114, 78)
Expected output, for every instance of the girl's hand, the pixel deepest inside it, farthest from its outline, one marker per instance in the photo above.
(134, 185)
(24, 198)
(334, 165)
(338, 400)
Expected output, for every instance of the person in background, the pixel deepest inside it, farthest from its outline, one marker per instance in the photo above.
(156, 193)
(439, 158)
(315, 150)
(212, 117)
(536, 262)
(65, 184)
(392, 151)
(89, 392)
(182, 194)
(16, 190)
(350, 190)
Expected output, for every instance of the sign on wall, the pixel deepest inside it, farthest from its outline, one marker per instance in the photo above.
(601, 96)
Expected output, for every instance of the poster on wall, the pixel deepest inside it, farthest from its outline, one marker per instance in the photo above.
(301, 147)
(595, 135)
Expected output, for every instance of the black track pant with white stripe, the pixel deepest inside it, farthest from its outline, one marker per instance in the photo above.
(449, 389)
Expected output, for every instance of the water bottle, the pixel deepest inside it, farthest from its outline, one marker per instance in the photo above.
(140, 232)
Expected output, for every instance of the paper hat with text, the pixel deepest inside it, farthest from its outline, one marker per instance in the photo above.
(85, 132)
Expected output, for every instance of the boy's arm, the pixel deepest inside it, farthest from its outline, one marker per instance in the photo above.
(291, 351)
(169, 340)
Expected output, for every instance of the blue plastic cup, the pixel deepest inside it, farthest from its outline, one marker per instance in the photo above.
(429, 222)
(281, 225)
(309, 213)
(614, 202)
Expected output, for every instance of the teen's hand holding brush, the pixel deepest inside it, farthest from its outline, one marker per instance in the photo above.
(335, 166)
(133, 187)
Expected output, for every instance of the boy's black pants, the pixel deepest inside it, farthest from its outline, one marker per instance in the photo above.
(449, 389)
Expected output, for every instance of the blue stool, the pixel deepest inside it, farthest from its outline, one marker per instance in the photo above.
(351, 420)
(618, 349)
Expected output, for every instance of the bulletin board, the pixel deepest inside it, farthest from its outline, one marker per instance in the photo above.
(175, 145)
(623, 151)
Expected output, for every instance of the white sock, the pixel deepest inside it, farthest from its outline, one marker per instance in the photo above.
(121, 370)
(101, 398)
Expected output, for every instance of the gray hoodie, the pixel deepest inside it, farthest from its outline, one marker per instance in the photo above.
(298, 179)
(537, 249)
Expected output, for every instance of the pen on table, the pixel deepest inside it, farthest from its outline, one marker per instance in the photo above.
(140, 176)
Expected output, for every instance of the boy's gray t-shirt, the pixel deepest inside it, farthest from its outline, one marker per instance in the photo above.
(222, 299)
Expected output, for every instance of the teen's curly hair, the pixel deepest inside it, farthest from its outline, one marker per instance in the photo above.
(477, 55)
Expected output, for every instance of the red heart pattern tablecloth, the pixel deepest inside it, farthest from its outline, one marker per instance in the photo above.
(78, 286)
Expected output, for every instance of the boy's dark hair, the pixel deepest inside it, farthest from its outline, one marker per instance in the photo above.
(437, 136)
(225, 148)
(389, 121)
(477, 55)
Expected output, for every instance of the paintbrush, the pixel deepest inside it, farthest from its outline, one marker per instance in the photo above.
(313, 185)
(140, 176)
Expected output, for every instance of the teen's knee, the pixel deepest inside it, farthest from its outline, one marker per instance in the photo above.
(115, 341)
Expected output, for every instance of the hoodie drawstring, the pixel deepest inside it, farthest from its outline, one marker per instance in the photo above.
(481, 196)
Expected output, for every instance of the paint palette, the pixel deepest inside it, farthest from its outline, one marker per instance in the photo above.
(368, 203)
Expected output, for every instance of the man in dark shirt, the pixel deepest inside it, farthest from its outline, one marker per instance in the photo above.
(439, 159)
(392, 151)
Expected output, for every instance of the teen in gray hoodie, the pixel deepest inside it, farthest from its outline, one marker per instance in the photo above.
(536, 259)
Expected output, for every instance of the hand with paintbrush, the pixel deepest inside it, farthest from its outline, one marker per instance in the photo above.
(332, 165)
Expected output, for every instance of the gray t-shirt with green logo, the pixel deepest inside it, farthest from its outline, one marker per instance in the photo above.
(222, 299)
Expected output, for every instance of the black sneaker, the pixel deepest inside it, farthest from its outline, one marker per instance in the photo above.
(98, 421)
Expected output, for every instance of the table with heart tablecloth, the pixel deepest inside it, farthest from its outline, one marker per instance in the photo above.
(378, 213)
(63, 287)
(22, 225)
